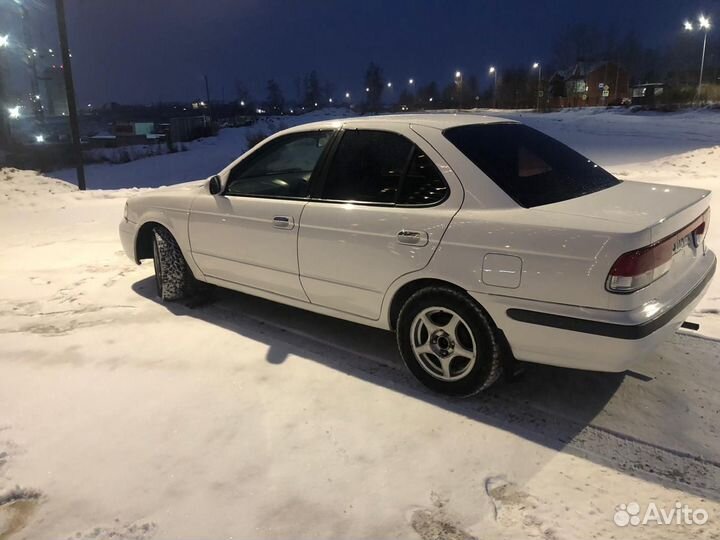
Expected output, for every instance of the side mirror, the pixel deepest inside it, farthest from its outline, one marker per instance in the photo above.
(215, 186)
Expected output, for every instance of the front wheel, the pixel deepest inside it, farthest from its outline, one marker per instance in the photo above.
(448, 342)
(172, 275)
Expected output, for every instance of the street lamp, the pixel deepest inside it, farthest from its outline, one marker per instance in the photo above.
(492, 71)
(13, 114)
(458, 83)
(5, 40)
(347, 95)
(703, 24)
(389, 85)
(411, 81)
(537, 66)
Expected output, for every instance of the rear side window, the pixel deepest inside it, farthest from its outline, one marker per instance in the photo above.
(367, 167)
(381, 167)
(530, 167)
(423, 183)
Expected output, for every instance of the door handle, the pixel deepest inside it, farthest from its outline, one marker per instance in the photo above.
(412, 238)
(283, 222)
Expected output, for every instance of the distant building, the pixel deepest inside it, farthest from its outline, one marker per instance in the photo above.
(133, 128)
(188, 128)
(52, 91)
(649, 94)
(589, 84)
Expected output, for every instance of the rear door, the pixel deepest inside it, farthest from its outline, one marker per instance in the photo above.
(386, 200)
(248, 234)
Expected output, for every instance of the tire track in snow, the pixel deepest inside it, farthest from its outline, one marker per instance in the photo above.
(620, 451)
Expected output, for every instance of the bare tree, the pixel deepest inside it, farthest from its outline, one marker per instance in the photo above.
(374, 84)
(312, 89)
(275, 98)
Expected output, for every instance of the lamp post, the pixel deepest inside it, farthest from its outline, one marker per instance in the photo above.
(537, 66)
(4, 44)
(32, 55)
(458, 83)
(4, 130)
(493, 72)
(13, 114)
(703, 24)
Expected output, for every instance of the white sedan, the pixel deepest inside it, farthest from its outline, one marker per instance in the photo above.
(476, 239)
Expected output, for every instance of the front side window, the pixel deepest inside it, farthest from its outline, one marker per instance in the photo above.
(282, 168)
(385, 168)
(532, 168)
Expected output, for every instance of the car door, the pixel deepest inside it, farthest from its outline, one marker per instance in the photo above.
(247, 234)
(380, 213)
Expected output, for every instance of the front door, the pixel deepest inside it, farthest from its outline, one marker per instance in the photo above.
(381, 213)
(248, 234)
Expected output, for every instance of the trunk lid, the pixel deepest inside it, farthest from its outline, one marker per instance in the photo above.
(639, 205)
(643, 214)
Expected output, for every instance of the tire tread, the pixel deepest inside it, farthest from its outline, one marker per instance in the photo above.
(174, 269)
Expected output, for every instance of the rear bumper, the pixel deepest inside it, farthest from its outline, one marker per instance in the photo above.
(601, 340)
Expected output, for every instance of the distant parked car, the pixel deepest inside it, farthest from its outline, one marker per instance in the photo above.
(473, 238)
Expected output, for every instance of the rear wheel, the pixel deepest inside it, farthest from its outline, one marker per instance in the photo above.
(448, 342)
(172, 275)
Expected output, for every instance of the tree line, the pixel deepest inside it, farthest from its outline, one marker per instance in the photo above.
(676, 63)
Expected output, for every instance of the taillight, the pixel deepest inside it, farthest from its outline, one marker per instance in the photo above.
(639, 268)
(699, 233)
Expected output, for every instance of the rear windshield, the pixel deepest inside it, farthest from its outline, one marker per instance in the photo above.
(530, 167)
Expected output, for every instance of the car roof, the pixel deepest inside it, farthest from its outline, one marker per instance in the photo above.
(432, 120)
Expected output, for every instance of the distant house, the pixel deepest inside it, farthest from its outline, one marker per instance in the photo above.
(188, 128)
(649, 94)
(589, 84)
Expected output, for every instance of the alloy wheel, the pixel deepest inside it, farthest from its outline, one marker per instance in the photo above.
(443, 343)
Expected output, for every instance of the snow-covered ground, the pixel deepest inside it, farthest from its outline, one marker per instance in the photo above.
(124, 418)
(203, 157)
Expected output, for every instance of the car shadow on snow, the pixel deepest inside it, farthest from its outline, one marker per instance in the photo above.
(553, 407)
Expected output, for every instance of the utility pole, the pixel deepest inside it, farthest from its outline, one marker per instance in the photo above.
(207, 96)
(70, 90)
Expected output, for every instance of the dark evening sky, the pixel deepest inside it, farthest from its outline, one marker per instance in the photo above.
(150, 50)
